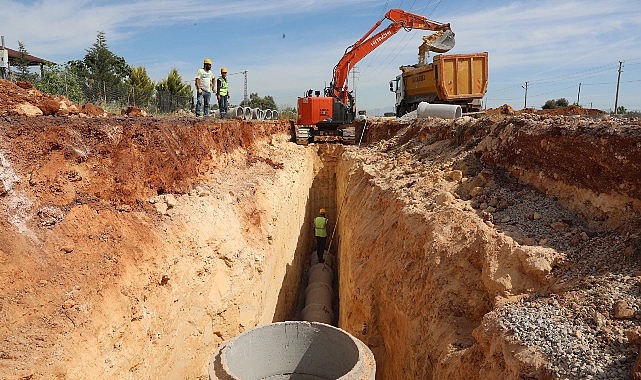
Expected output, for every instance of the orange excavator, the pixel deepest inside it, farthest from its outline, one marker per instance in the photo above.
(328, 115)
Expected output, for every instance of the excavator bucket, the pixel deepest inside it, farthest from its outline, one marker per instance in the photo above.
(443, 43)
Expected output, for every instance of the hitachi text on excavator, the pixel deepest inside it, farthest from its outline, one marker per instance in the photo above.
(328, 117)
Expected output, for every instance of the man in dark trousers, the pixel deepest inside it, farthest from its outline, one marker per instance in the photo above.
(222, 92)
(320, 231)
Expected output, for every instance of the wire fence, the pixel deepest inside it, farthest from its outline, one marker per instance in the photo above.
(114, 96)
(151, 100)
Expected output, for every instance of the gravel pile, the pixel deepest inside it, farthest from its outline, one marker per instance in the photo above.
(579, 341)
(595, 295)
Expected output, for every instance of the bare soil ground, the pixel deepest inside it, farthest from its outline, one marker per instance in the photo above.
(84, 202)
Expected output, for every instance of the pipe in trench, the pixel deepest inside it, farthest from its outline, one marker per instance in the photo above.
(319, 293)
(293, 350)
(444, 111)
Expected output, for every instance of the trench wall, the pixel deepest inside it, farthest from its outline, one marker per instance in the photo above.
(234, 258)
(422, 283)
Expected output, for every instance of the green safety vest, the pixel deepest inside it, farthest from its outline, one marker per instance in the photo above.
(223, 89)
(319, 223)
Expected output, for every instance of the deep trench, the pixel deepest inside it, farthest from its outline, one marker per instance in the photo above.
(322, 194)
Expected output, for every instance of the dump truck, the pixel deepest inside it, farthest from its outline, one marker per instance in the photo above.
(458, 79)
(328, 117)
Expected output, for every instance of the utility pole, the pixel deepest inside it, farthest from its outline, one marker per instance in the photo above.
(525, 87)
(245, 101)
(578, 95)
(616, 100)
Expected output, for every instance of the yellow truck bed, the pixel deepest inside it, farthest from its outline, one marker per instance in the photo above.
(450, 77)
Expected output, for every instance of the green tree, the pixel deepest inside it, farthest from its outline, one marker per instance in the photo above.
(549, 104)
(22, 65)
(172, 93)
(287, 112)
(558, 103)
(104, 72)
(142, 87)
(563, 102)
(61, 80)
(174, 84)
(256, 101)
(621, 110)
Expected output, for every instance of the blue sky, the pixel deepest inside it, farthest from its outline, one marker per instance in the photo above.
(289, 46)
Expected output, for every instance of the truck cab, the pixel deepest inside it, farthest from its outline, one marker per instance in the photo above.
(397, 86)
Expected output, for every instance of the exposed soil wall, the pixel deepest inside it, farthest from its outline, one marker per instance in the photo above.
(423, 280)
(131, 248)
(453, 230)
(503, 247)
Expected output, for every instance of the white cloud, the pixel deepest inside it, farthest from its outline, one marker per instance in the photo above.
(525, 40)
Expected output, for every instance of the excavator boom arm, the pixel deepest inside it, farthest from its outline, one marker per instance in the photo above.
(400, 19)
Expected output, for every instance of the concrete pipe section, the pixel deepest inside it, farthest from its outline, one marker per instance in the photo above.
(274, 114)
(247, 115)
(319, 293)
(293, 350)
(235, 112)
(268, 114)
(321, 273)
(444, 111)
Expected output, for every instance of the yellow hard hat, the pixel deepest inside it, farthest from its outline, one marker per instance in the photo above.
(322, 211)
(223, 70)
(207, 60)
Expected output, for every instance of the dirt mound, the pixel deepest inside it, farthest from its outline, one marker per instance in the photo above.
(505, 109)
(21, 99)
(133, 111)
(569, 110)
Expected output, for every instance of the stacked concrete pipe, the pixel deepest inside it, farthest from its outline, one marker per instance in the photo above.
(247, 113)
(293, 350)
(235, 112)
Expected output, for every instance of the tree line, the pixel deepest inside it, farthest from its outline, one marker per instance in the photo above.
(103, 77)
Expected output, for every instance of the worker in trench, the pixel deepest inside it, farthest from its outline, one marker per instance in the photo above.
(320, 231)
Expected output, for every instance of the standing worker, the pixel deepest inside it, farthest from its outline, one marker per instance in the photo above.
(222, 92)
(204, 83)
(320, 231)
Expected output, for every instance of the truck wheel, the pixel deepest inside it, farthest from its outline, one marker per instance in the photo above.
(402, 109)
